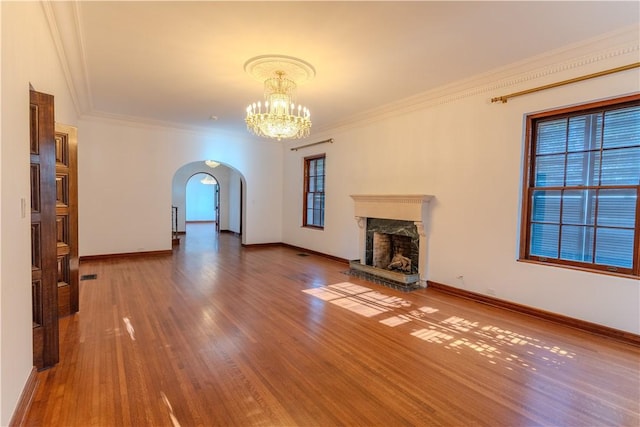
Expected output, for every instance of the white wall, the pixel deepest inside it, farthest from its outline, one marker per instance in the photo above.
(467, 152)
(235, 194)
(28, 56)
(126, 173)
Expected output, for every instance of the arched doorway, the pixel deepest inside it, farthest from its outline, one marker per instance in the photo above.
(203, 199)
(229, 200)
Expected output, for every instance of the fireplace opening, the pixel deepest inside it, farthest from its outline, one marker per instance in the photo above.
(392, 252)
(392, 245)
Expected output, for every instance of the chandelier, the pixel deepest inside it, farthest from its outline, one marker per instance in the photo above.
(278, 117)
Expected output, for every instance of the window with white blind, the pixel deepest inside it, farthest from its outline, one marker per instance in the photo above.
(313, 209)
(581, 204)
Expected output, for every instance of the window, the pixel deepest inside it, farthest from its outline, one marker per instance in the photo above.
(313, 211)
(581, 187)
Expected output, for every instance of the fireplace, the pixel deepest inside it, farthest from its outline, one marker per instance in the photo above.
(393, 244)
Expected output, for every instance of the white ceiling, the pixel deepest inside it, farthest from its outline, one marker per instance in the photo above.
(182, 62)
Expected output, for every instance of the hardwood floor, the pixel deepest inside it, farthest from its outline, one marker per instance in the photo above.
(221, 335)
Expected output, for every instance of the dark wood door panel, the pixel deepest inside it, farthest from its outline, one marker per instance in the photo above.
(67, 218)
(62, 147)
(62, 190)
(36, 258)
(43, 231)
(62, 229)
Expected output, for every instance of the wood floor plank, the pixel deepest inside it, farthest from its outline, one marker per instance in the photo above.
(222, 335)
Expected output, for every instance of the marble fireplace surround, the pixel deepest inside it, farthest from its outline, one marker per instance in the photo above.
(413, 207)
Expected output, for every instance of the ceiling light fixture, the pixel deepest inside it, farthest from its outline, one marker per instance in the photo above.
(278, 117)
(209, 180)
(212, 164)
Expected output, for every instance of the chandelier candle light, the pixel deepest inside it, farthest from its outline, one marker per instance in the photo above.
(278, 117)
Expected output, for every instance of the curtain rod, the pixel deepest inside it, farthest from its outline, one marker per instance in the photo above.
(504, 98)
(330, 140)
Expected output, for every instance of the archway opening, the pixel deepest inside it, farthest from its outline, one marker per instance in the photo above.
(202, 194)
(228, 200)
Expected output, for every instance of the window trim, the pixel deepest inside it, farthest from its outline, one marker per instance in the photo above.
(527, 184)
(305, 190)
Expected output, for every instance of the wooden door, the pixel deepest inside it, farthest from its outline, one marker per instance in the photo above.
(217, 207)
(66, 140)
(43, 231)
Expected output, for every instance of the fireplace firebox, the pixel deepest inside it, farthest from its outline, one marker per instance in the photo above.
(387, 239)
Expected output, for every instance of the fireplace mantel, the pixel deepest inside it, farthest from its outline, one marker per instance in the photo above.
(405, 207)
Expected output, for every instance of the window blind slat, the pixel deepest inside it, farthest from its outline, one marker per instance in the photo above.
(614, 247)
(576, 243)
(585, 133)
(617, 208)
(550, 171)
(550, 133)
(583, 168)
(622, 128)
(544, 241)
(546, 206)
(621, 166)
(579, 207)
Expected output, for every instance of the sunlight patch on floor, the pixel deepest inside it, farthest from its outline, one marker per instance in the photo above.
(455, 333)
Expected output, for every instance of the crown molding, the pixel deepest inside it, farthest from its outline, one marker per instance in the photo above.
(146, 123)
(615, 47)
(64, 25)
